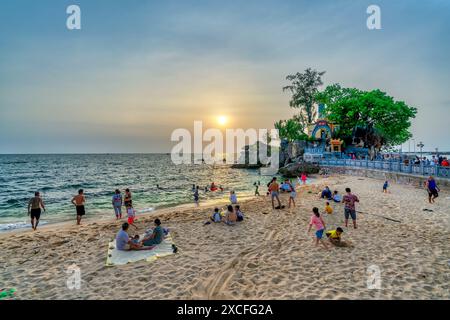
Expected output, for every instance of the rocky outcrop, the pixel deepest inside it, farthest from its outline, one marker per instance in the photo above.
(293, 170)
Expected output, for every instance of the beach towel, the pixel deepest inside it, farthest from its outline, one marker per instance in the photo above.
(118, 257)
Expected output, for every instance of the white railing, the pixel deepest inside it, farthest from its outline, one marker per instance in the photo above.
(390, 166)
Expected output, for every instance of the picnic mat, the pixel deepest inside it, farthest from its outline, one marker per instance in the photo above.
(119, 257)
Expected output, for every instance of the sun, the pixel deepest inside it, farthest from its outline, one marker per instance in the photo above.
(222, 120)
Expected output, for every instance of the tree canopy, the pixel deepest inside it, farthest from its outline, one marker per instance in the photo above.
(385, 121)
(304, 87)
(290, 130)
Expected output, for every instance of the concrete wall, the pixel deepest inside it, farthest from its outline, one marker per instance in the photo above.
(401, 178)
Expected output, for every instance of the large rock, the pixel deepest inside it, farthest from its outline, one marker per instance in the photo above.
(293, 170)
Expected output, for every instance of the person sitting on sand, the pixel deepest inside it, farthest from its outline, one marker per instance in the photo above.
(328, 208)
(230, 217)
(318, 222)
(335, 236)
(216, 217)
(336, 196)
(34, 209)
(239, 214)
(156, 237)
(326, 193)
(233, 197)
(285, 186)
(124, 243)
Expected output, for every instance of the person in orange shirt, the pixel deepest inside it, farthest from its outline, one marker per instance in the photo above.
(274, 189)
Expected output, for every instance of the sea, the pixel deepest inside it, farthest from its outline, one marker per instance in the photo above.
(59, 176)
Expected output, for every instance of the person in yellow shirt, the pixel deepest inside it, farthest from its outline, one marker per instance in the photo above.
(335, 236)
(328, 208)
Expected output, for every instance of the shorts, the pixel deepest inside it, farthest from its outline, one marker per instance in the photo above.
(293, 195)
(319, 233)
(35, 213)
(80, 211)
(118, 210)
(350, 213)
(128, 203)
(130, 220)
(274, 194)
(433, 192)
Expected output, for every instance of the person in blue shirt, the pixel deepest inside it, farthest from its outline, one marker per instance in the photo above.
(432, 189)
(117, 204)
(336, 196)
(385, 186)
(156, 237)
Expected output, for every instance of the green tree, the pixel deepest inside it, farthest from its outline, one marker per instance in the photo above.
(304, 87)
(290, 130)
(385, 121)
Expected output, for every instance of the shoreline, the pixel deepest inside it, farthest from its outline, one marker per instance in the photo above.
(91, 220)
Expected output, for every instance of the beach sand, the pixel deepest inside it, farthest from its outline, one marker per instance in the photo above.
(268, 256)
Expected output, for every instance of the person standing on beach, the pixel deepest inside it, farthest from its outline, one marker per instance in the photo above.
(303, 177)
(79, 201)
(274, 189)
(34, 209)
(117, 204)
(256, 189)
(292, 194)
(349, 210)
(318, 222)
(196, 196)
(128, 201)
(432, 189)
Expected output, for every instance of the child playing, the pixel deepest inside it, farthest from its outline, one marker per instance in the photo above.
(239, 214)
(292, 195)
(135, 240)
(336, 196)
(216, 217)
(335, 235)
(131, 213)
(256, 189)
(385, 186)
(318, 222)
(233, 197)
(328, 208)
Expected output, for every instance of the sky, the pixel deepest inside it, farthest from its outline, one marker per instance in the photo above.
(137, 70)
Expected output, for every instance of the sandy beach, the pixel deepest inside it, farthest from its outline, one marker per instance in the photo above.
(268, 256)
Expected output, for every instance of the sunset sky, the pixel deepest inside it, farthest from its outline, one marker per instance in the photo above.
(137, 70)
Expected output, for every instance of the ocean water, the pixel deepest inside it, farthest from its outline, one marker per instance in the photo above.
(58, 178)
